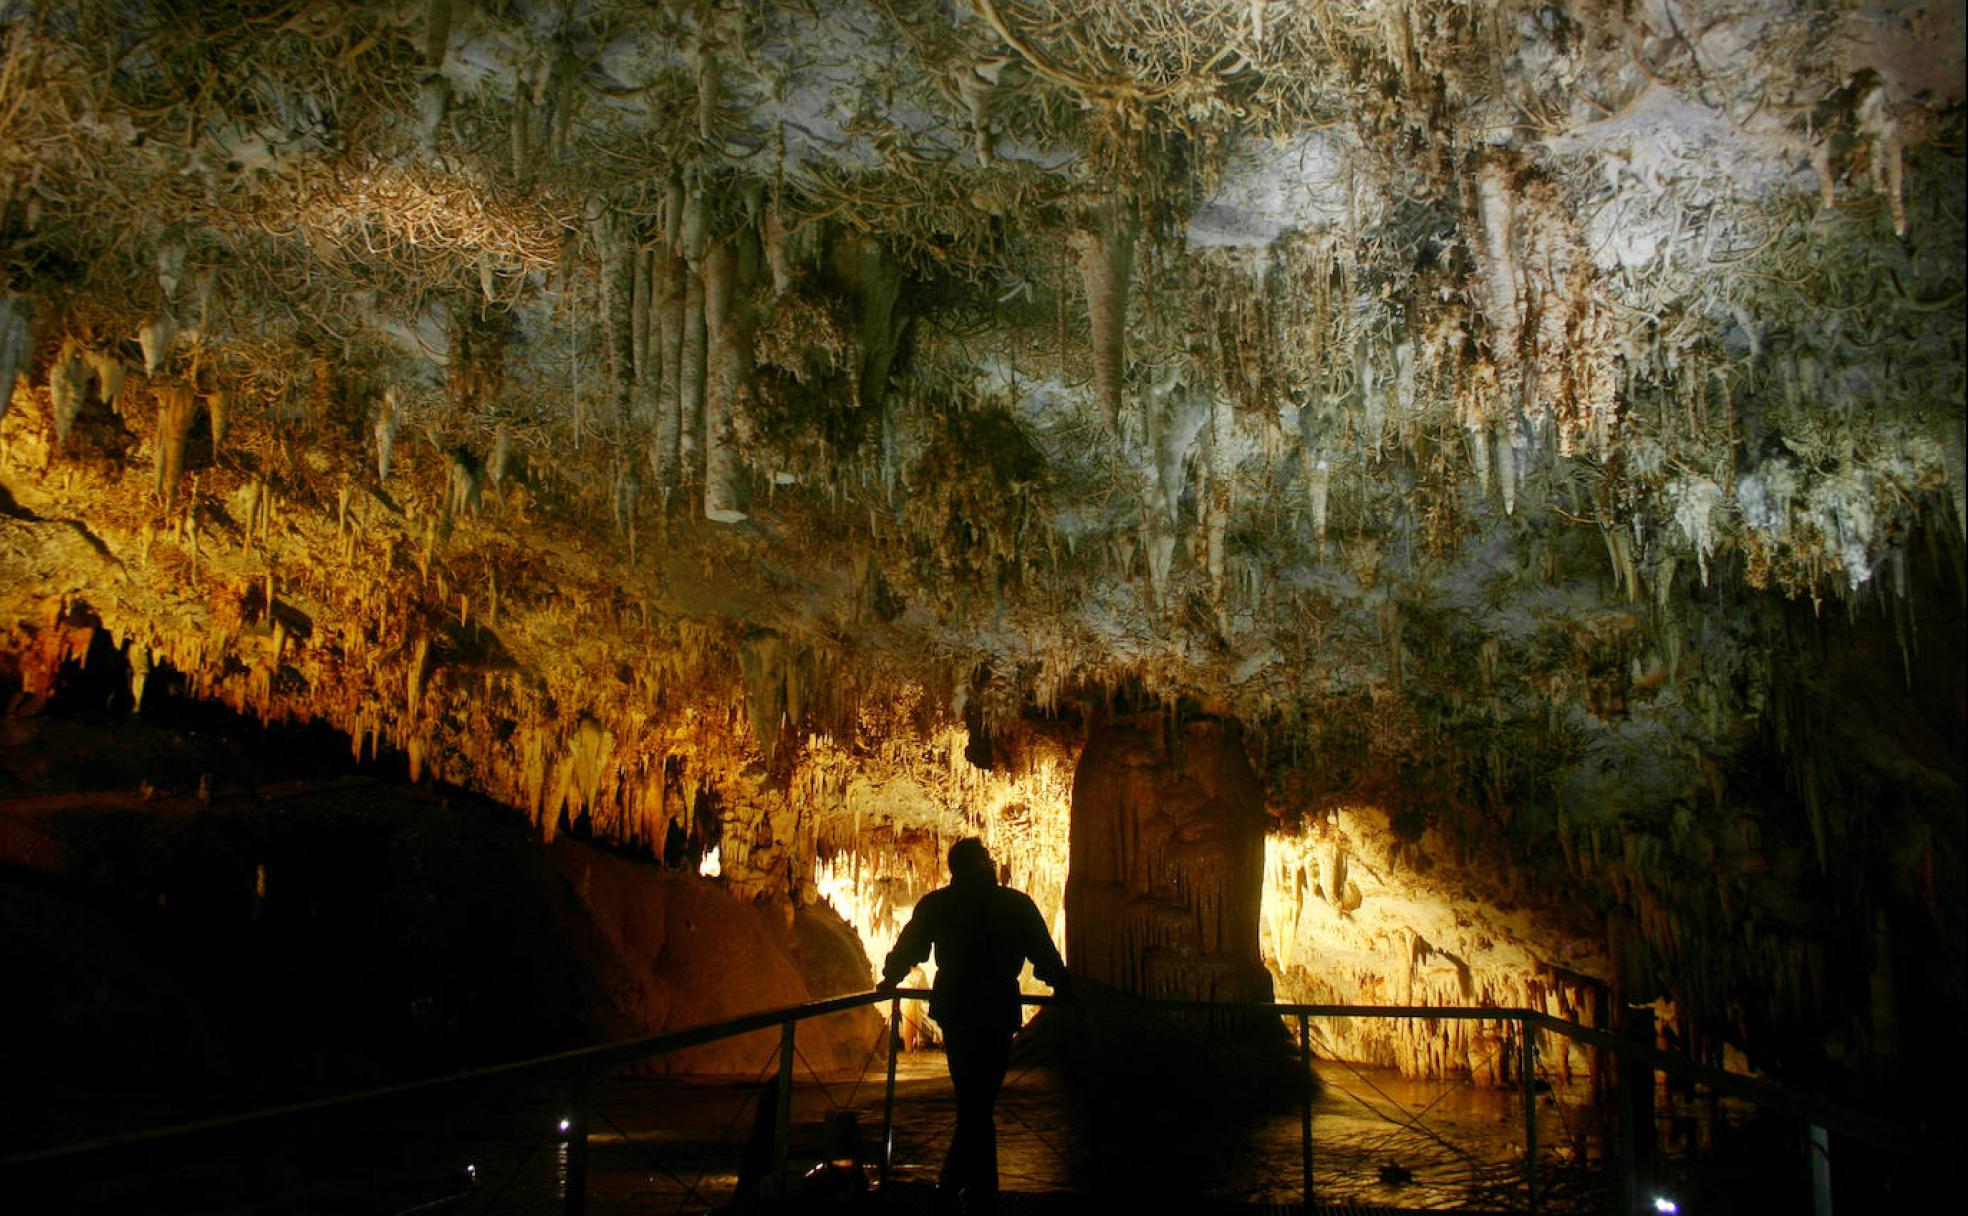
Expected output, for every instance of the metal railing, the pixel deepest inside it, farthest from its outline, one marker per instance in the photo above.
(577, 1071)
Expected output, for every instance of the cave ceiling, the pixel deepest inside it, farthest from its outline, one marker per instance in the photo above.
(1469, 397)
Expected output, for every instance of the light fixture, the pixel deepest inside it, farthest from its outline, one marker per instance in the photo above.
(1666, 1206)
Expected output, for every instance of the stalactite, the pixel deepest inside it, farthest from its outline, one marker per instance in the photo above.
(140, 668)
(433, 103)
(641, 305)
(778, 245)
(389, 417)
(1496, 205)
(1506, 457)
(1106, 258)
(462, 484)
(693, 230)
(155, 337)
(1318, 487)
(665, 453)
(218, 407)
(110, 373)
(877, 284)
(1954, 448)
(615, 250)
(691, 371)
(628, 489)
(176, 406)
(1158, 541)
(16, 345)
(68, 389)
(725, 333)
(501, 455)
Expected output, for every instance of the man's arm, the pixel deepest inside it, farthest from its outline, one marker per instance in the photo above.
(912, 947)
(1037, 944)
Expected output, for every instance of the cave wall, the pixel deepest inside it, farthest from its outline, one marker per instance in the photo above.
(199, 915)
(1355, 913)
(689, 951)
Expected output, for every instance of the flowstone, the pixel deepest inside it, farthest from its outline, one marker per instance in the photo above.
(1167, 862)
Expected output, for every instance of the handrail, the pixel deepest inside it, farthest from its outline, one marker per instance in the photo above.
(586, 1062)
(581, 1061)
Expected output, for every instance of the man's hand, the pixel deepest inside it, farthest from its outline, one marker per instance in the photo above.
(888, 985)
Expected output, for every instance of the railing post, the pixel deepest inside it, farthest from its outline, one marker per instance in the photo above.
(1819, 1142)
(575, 1198)
(782, 1122)
(888, 1095)
(1629, 1179)
(1527, 1065)
(1305, 1105)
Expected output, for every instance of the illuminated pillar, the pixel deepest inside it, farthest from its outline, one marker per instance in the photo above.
(1167, 869)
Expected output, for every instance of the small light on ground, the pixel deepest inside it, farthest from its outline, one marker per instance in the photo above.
(565, 1124)
(1665, 1205)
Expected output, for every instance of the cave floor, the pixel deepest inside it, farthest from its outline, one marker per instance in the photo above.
(669, 1146)
(665, 1145)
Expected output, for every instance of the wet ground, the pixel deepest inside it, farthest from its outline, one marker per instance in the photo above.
(1381, 1144)
(1380, 1141)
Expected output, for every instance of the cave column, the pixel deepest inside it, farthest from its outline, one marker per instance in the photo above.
(1167, 861)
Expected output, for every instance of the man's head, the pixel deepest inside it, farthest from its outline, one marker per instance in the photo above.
(970, 860)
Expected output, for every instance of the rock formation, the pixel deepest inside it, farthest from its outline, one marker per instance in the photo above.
(783, 431)
(1167, 862)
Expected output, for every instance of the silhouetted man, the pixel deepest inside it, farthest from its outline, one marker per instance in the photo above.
(982, 934)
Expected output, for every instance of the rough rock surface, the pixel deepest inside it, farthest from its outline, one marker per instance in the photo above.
(1168, 858)
(688, 952)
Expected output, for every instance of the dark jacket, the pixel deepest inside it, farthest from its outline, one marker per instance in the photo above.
(982, 934)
